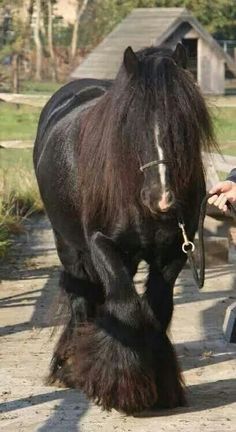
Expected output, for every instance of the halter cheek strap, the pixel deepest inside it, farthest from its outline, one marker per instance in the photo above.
(152, 163)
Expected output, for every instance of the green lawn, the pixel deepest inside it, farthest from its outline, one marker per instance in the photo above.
(42, 87)
(225, 129)
(16, 160)
(21, 122)
(228, 149)
(18, 123)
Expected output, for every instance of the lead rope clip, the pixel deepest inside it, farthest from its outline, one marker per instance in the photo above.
(187, 245)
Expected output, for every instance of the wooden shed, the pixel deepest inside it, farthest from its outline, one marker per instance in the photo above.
(156, 26)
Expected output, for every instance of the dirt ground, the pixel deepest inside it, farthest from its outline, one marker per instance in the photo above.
(29, 283)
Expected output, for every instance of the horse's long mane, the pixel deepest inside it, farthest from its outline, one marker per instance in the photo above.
(119, 128)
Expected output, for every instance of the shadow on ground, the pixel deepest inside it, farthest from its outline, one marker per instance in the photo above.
(200, 398)
(70, 407)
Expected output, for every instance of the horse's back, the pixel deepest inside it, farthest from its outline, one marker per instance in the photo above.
(75, 94)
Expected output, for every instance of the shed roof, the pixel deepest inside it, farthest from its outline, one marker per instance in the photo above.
(142, 27)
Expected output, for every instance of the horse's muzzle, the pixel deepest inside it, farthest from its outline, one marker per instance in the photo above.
(167, 200)
(156, 202)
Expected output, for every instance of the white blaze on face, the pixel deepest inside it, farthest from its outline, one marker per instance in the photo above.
(163, 203)
(161, 167)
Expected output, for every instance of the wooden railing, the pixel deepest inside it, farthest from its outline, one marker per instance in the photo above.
(23, 99)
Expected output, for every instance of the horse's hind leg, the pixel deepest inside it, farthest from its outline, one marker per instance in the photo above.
(158, 301)
(80, 297)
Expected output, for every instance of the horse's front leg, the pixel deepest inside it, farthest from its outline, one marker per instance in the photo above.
(158, 299)
(160, 284)
(111, 363)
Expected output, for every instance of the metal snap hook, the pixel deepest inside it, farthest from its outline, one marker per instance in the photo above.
(187, 245)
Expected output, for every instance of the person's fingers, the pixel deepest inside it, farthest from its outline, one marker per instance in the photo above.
(222, 202)
(223, 192)
(219, 200)
(212, 199)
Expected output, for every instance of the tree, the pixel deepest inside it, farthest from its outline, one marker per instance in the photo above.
(50, 40)
(16, 31)
(100, 18)
(80, 9)
(37, 40)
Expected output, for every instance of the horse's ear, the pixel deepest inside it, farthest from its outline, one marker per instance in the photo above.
(180, 56)
(131, 61)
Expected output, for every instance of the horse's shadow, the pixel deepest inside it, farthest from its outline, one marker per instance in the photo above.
(67, 413)
(201, 397)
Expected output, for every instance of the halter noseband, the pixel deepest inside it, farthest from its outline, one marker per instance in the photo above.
(153, 163)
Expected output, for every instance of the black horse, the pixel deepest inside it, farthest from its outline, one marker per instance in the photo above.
(116, 162)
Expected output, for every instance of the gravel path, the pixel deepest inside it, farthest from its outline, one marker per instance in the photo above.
(28, 289)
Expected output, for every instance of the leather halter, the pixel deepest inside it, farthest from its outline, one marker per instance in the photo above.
(153, 163)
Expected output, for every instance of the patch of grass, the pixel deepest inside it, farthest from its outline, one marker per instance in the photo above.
(18, 123)
(18, 186)
(9, 224)
(19, 195)
(4, 238)
(225, 124)
(16, 159)
(228, 149)
(42, 87)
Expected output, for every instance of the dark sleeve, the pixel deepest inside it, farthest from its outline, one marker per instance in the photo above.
(232, 175)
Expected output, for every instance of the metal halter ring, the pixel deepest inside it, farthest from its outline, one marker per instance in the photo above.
(185, 245)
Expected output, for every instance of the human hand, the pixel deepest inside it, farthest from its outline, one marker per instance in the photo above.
(222, 192)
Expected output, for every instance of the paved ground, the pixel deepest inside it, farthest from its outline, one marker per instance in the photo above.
(27, 293)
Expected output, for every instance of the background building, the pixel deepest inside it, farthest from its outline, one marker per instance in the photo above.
(142, 27)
